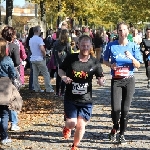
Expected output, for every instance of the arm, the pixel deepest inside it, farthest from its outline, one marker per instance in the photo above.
(23, 55)
(99, 74)
(62, 70)
(43, 50)
(63, 76)
(61, 73)
(135, 62)
(11, 70)
(107, 56)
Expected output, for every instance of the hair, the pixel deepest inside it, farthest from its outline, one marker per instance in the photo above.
(98, 33)
(36, 29)
(122, 23)
(41, 34)
(58, 33)
(3, 44)
(147, 28)
(63, 36)
(133, 32)
(85, 37)
(73, 43)
(30, 35)
(92, 52)
(64, 25)
(8, 33)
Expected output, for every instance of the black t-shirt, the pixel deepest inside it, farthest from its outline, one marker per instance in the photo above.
(98, 42)
(80, 90)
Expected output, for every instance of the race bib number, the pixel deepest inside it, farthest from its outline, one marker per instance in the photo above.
(79, 88)
(122, 71)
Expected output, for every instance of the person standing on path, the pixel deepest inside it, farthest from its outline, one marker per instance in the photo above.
(61, 49)
(125, 56)
(77, 72)
(38, 60)
(145, 47)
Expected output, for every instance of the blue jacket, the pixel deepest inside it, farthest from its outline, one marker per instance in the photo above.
(7, 68)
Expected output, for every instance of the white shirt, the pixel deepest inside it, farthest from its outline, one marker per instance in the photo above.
(137, 39)
(35, 42)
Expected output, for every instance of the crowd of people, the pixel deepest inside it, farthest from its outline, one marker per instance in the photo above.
(73, 57)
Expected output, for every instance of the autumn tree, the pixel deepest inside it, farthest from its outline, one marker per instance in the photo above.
(99, 12)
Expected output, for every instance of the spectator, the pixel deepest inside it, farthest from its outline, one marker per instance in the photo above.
(38, 61)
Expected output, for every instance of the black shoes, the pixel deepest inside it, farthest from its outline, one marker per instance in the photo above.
(122, 140)
(113, 137)
(148, 85)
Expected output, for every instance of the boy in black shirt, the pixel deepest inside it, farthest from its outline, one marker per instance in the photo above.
(77, 72)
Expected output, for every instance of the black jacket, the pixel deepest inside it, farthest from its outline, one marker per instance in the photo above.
(60, 51)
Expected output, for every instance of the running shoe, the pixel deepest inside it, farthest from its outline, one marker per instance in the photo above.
(56, 95)
(14, 127)
(5, 141)
(112, 135)
(74, 147)
(66, 133)
(122, 140)
(148, 85)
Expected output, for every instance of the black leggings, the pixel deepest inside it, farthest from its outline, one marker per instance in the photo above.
(59, 83)
(122, 91)
(147, 69)
(52, 73)
(145, 57)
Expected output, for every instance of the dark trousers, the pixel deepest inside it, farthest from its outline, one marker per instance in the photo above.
(147, 69)
(59, 83)
(122, 91)
(31, 87)
(145, 59)
(4, 116)
(52, 73)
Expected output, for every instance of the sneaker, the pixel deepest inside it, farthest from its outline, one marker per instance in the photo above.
(74, 147)
(15, 128)
(122, 140)
(148, 85)
(40, 91)
(56, 95)
(112, 135)
(66, 133)
(5, 141)
(51, 91)
(62, 94)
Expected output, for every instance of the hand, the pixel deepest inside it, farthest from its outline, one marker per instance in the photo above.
(113, 66)
(146, 52)
(149, 63)
(66, 79)
(101, 81)
(129, 55)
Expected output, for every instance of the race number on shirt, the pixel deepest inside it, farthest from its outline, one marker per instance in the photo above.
(122, 71)
(79, 88)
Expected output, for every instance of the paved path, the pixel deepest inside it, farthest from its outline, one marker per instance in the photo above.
(46, 132)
